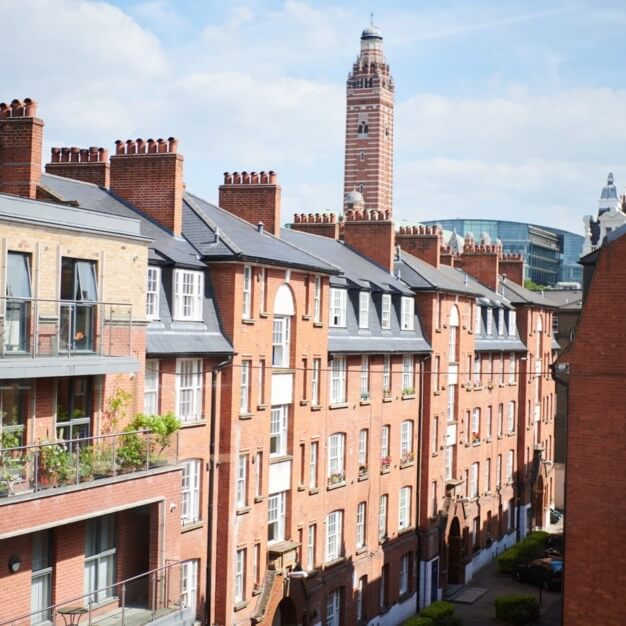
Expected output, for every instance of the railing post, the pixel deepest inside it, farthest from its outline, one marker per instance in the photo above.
(101, 308)
(147, 435)
(123, 604)
(153, 594)
(89, 614)
(77, 453)
(36, 470)
(114, 459)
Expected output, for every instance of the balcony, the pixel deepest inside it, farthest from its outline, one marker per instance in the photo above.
(64, 466)
(40, 337)
(153, 597)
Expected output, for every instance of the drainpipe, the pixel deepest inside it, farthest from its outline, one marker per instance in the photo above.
(212, 474)
(420, 430)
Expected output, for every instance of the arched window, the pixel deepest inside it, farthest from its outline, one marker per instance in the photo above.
(284, 309)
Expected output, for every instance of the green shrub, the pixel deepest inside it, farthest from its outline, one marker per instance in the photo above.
(507, 561)
(529, 548)
(418, 620)
(450, 620)
(438, 610)
(518, 609)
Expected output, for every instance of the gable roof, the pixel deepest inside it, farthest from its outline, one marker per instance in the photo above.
(520, 295)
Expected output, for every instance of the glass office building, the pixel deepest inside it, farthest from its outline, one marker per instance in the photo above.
(551, 254)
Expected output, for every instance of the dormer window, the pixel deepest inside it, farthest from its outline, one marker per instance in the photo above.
(247, 293)
(152, 293)
(364, 309)
(512, 324)
(385, 318)
(284, 309)
(477, 314)
(408, 313)
(500, 322)
(489, 321)
(338, 307)
(188, 290)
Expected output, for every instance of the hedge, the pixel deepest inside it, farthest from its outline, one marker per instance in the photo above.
(438, 610)
(417, 620)
(518, 609)
(529, 548)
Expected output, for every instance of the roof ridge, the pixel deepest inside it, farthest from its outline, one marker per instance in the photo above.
(73, 180)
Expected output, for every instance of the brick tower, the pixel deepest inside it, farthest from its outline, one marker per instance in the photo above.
(369, 125)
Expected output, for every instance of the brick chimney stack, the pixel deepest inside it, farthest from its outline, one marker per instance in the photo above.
(513, 266)
(149, 175)
(21, 138)
(371, 232)
(322, 224)
(482, 261)
(91, 165)
(254, 197)
(423, 242)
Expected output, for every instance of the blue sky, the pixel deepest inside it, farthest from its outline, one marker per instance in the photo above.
(511, 110)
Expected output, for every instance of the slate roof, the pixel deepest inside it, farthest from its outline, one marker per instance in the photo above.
(520, 295)
(422, 276)
(165, 247)
(219, 235)
(357, 273)
(566, 299)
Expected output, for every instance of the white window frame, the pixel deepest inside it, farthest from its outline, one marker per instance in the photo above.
(310, 547)
(452, 341)
(487, 484)
(333, 608)
(189, 389)
(407, 318)
(489, 422)
(451, 403)
(408, 374)
(279, 427)
(41, 579)
(512, 367)
(500, 322)
(489, 321)
(317, 300)
(336, 454)
(258, 474)
(313, 463)
(475, 422)
(404, 508)
(406, 437)
(364, 309)
(499, 471)
(338, 372)
(383, 503)
(276, 517)
(338, 303)
(189, 584)
(385, 437)
(512, 323)
(473, 487)
(334, 535)
(188, 294)
(315, 382)
(509, 466)
(361, 516)
(244, 398)
(511, 416)
(242, 481)
(190, 492)
(240, 575)
(363, 441)
(365, 378)
(151, 387)
(385, 316)
(153, 288)
(261, 381)
(386, 375)
(246, 301)
(477, 319)
(281, 339)
(403, 583)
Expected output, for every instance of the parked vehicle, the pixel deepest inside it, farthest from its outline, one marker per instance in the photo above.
(546, 572)
(555, 545)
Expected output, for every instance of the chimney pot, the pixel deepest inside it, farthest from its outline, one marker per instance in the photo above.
(173, 144)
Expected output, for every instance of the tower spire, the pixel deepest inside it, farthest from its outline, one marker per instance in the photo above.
(369, 124)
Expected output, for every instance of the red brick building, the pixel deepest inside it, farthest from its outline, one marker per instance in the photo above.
(593, 368)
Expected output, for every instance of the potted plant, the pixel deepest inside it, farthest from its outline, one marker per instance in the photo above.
(55, 463)
(131, 453)
(385, 462)
(408, 456)
(362, 470)
(408, 391)
(336, 478)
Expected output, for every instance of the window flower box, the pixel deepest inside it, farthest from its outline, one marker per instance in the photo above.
(336, 478)
(408, 456)
(385, 463)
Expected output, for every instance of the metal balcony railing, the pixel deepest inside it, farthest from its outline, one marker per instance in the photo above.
(34, 468)
(63, 328)
(135, 601)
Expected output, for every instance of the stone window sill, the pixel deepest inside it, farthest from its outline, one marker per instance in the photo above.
(281, 458)
(365, 402)
(243, 510)
(245, 416)
(362, 477)
(301, 488)
(385, 470)
(193, 424)
(436, 393)
(407, 464)
(306, 318)
(313, 491)
(336, 485)
(258, 499)
(404, 531)
(303, 402)
(191, 526)
(247, 321)
(339, 405)
(387, 399)
(316, 407)
(240, 605)
(318, 325)
(264, 314)
(337, 561)
(361, 550)
(261, 407)
(408, 396)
